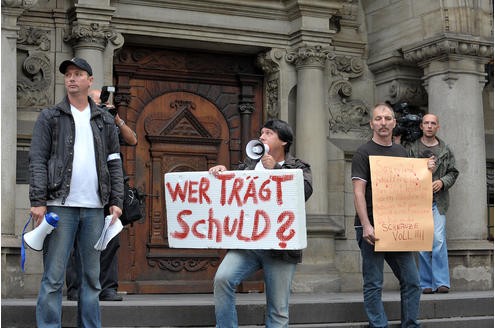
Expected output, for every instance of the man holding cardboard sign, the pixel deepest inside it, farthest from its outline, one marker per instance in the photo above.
(278, 265)
(402, 263)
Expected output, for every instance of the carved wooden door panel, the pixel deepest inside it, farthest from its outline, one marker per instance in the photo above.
(180, 127)
(182, 132)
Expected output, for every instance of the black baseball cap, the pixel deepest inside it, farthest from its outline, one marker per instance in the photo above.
(78, 62)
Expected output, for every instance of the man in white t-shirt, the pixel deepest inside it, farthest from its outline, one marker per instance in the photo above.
(75, 168)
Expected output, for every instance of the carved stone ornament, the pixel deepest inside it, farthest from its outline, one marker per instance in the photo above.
(346, 67)
(35, 73)
(309, 56)
(409, 91)
(30, 38)
(268, 61)
(448, 46)
(272, 106)
(34, 81)
(92, 34)
(26, 4)
(346, 114)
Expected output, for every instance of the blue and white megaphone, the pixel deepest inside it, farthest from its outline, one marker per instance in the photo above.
(255, 149)
(35, 238)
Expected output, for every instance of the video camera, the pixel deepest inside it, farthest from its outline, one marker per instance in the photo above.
(104, 95)
(408, 122)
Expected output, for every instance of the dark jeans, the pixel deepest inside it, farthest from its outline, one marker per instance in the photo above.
(109, 273)
(404, 268)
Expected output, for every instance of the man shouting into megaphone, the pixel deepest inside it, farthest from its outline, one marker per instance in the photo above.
(278, 265)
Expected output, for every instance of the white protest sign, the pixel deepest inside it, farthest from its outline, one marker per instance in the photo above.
(248, 209)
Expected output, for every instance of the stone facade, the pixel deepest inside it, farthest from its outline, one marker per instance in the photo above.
(325, 64)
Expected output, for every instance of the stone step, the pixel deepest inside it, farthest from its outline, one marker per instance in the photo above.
(333, 310)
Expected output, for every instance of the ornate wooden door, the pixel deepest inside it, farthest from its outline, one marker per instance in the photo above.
(185, 120)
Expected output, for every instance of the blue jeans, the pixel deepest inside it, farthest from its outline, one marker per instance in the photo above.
(404, 268)
(239, 265)
(85, 225)
(434, 265)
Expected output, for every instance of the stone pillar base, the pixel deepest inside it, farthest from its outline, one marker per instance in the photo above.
(317, 273)
(316, 278)
(471, 264)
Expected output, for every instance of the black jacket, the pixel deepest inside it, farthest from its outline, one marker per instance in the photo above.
(292, 256)
(51, 155)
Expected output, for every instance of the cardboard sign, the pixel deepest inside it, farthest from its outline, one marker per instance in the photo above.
(402, 203)
(248, 209)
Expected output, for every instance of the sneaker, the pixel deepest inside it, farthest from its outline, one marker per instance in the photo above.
(443, 289)
(427, 291)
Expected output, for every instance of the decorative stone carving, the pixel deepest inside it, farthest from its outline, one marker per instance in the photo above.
(411, 91)
(346, 114)
(30, 38)
(309, 56)
(269, 63)
(35, 74)
(272, 105)
(33, 85)
(26, 4)
(346, 67)
(93, 34)
(448, 45)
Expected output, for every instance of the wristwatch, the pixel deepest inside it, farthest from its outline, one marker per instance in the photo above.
(121, 123)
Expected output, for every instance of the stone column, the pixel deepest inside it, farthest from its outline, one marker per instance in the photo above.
(454, 79)
(12, 281)
(10, 14)
(312, 120)
(317, 273)
(89, 41)
(92, 38)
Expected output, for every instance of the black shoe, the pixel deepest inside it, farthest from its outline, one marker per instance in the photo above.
(443, 290)
(72, 297)
(428, 291)
(111, 297)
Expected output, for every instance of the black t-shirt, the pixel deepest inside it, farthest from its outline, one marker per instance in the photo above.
(361, 168)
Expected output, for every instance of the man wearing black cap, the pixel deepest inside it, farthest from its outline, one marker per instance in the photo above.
(278, 265)
(75, 168)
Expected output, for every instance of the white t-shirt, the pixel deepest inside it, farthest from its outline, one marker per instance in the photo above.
(259, 165)
(84, 181)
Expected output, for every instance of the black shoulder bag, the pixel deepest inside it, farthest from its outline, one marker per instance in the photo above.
(133, 204)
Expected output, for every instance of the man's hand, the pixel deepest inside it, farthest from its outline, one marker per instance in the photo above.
(432, 164)
(116, 213)
(268, 161)
(369, 234)
(38, 214)
(437, 185)
(217, 169)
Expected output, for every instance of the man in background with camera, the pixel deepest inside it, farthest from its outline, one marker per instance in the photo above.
(434, 266)
(108, 258)
(75, 169)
